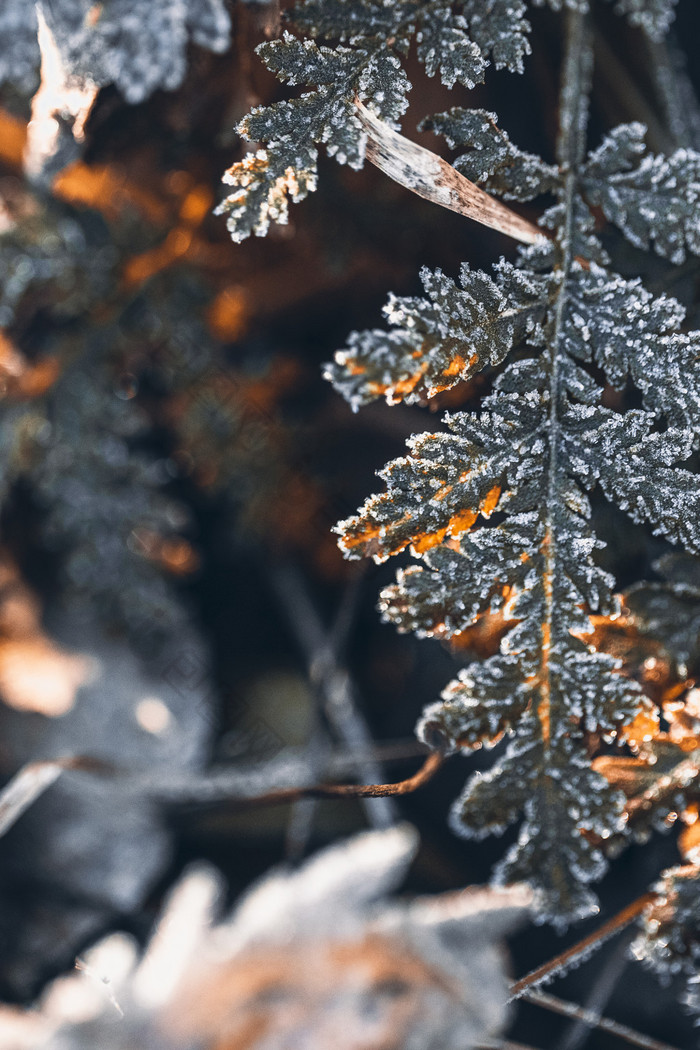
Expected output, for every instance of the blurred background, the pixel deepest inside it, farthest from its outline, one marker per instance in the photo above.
(172, 463)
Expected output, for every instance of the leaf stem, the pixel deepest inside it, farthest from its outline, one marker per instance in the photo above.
(594, 1020)
(427, 771)
(573, 115)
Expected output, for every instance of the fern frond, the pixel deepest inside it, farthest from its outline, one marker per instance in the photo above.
(497, 508)
(424, 352)
(545, 683)
(652, 199)
(630, 335)
(104, 502)
(454, 43)
(293, 130)
(669, 609)
(457, 43)
(501, 31)
(492, 160)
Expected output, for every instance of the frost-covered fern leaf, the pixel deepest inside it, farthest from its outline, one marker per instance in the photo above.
(53, 256)
(500, 30)
(436, 342)
(366, 66)
(654, 200)
(492, 160)
(293, 130)
(535, 564)
(631, 335)
(652, 488)
(456, 40)
(139, 45)
(497, 509)
(669, 943)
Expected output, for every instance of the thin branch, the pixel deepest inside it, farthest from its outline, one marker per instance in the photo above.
(578, 1032)
(594, 1020)
(583, 947)
(218, 786)
(503, 1044)
(323, 651)
(427, 771)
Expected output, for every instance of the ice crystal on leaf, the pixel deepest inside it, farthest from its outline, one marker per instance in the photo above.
(137, 45)
(654, 200)
(367, 66)
(492, 160)
(424, 352)
(497, 508)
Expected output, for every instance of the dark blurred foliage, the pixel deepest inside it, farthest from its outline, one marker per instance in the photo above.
(172, 465)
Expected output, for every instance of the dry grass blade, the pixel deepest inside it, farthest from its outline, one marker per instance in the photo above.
(432, 178)
(32, 780)
(24, 788)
